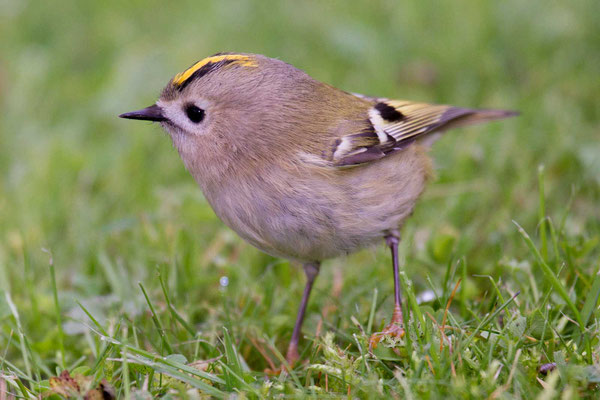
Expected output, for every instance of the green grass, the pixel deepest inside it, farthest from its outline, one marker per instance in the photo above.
(111, 261)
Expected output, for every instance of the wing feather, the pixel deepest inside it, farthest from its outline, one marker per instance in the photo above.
(392, 124)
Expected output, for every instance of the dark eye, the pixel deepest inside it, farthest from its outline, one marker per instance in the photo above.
(194, 113)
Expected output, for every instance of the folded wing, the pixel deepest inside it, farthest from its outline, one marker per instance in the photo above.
(392, 124)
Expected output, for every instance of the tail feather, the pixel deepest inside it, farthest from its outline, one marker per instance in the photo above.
(473, 116)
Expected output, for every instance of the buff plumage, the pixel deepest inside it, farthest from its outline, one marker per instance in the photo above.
(298, 168)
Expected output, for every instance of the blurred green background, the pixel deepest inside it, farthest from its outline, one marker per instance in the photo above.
(112, 203)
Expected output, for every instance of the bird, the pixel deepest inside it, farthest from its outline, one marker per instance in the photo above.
(298, 168)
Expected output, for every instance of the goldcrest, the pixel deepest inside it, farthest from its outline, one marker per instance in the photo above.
(298, 168)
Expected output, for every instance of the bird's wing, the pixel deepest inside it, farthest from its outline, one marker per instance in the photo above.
(392, 124)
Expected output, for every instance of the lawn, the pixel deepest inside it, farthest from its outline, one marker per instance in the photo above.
(114, 268)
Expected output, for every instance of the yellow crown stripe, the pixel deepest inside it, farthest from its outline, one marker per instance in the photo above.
(246, 61)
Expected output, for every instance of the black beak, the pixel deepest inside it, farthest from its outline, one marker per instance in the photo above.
(152, 113)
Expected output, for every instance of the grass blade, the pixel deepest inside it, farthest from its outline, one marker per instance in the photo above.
(487, 320)
(91, 317)
(157, 323)
(555, 282)
(175, 372)
(61, 334)
(172, 309)
(21, 334)
(542, 212)
(372, 312)
(591, 299)
(162, 360)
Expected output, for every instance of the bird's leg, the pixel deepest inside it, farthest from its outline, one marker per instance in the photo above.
(311, 270)
(395, 328)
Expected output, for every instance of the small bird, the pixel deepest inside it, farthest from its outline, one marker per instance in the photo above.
(298, 168)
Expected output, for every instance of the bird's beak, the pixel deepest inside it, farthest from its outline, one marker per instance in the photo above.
(152, 113)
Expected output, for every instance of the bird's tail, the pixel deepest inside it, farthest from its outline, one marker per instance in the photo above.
(466, 116)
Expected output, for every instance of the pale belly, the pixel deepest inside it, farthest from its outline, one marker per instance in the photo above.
(310, 217)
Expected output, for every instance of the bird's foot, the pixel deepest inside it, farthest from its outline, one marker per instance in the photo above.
(394, 330)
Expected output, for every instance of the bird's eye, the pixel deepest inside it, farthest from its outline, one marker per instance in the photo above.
(194, 113)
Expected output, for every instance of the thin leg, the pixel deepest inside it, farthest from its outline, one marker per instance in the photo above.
(392, 241)
(394, 329)
(311, 270)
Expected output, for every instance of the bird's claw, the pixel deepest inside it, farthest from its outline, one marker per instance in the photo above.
(393, 330)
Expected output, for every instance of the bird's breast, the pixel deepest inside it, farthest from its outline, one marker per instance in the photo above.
(309, 215)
